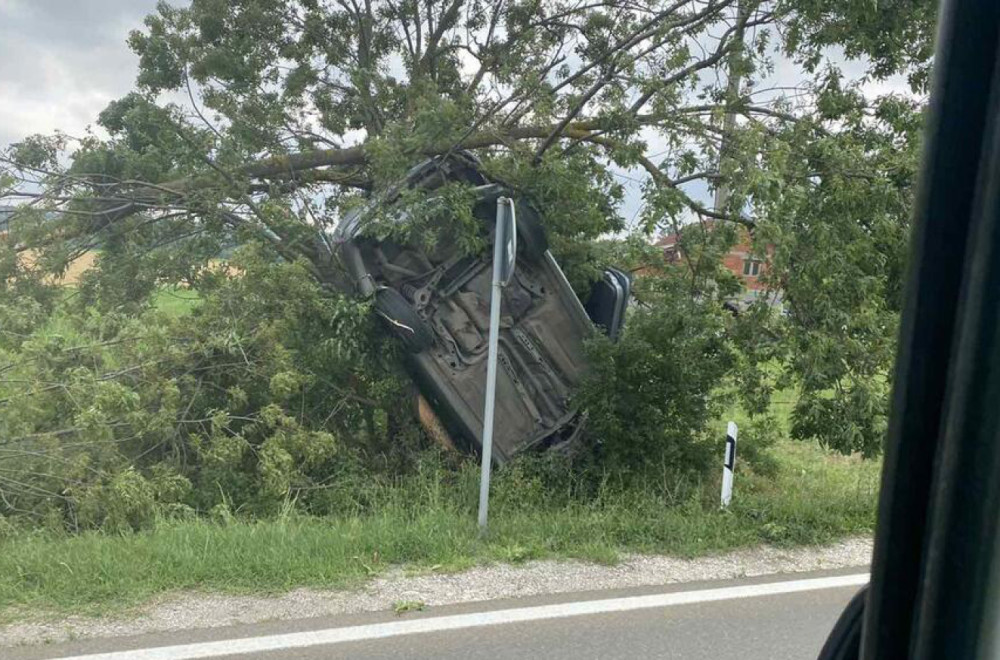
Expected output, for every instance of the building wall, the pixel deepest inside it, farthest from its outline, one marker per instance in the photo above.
(734, 261)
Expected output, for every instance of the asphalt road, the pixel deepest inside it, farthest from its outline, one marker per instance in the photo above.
(765, 618)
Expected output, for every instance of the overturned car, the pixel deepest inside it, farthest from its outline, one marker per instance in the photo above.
(436, 300)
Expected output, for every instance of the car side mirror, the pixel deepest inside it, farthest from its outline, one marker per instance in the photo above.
(608, 301)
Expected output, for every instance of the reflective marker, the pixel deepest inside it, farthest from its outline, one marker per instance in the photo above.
(728, 464)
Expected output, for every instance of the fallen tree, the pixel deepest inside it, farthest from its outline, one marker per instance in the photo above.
(261, 123)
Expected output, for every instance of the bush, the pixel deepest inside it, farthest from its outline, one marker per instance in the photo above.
(268, 390)
(649, 397)
(271, 392)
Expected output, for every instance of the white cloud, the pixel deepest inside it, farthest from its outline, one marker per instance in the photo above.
(62, 61)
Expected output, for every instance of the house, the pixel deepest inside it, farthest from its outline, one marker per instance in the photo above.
(741, 261)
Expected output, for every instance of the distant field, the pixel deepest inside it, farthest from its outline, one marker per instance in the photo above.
(176, 301)
(78, 267)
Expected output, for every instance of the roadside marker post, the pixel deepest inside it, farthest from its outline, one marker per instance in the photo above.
(728, 463)
(504, 258)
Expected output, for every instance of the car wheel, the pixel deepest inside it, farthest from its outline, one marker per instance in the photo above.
(403, 319)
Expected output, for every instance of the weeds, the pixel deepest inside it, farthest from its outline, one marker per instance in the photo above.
(401, 607)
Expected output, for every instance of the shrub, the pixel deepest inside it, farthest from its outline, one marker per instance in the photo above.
(649, 397)
(267, 391)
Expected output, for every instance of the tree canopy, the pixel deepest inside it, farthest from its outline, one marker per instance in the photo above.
(260, 122)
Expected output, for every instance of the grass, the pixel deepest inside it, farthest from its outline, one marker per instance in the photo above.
(175, 301)
(813, 498)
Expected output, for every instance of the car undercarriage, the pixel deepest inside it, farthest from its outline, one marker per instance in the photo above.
(436, 300)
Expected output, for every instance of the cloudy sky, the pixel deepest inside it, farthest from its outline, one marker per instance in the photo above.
(61, 61)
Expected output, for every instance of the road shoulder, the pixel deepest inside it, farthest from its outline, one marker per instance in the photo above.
(497, 583)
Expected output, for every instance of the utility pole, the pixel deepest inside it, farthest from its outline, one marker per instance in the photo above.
(734, 78)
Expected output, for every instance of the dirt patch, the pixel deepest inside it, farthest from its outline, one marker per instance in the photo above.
(194, 610)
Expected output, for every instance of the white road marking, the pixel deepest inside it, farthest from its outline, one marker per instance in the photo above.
(454, 622)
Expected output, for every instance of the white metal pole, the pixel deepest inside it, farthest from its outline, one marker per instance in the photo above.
(491, 370)
(728, 464)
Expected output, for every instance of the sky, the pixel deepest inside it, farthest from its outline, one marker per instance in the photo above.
(62, 61)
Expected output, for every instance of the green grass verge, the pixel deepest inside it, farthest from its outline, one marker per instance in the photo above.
(426, 525)
(175, 301)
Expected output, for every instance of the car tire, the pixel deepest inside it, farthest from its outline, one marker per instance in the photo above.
(403, 319)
